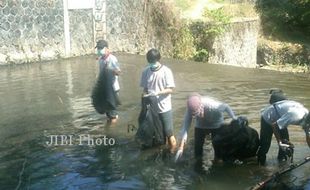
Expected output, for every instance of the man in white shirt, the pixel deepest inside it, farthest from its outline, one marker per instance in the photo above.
(275, 119)
(157, 80)
(107, 61)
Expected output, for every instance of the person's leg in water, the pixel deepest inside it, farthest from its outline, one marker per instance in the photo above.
(112, 114)
(167, 121)
(200, 135)
(218, 156)
(284, 135)
(264, 141)
(112, 117)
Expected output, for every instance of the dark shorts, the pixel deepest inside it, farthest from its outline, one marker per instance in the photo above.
(112, 114)
(167, 121)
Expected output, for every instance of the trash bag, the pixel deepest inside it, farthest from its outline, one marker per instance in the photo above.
(236, 140)
(104, 98)
(150, 132)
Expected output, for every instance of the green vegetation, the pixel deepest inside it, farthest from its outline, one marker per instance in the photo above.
(240, 10)
(195, 38)
(284, 20)
(218, 20)
(287, 23)
(183, 4)
(287, 20)
(192, 39)
(183, 43)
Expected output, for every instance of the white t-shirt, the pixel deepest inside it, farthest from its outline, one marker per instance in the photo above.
(156, 81)
(112, 64)
(285, 112)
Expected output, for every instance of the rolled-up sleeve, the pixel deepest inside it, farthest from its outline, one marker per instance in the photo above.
(115, 64)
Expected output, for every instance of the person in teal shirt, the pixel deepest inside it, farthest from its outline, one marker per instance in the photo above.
(109, 62)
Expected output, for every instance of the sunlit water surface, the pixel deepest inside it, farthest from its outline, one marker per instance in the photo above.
(53, 98)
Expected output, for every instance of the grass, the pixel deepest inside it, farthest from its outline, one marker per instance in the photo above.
(240, 10)
(183, 4)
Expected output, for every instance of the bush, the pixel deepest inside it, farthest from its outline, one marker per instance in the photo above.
(291, 16)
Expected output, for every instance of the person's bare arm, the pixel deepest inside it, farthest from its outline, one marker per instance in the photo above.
(165, 91)
(276, 133)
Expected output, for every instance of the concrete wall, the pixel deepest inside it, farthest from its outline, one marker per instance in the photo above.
(81, 32)
(29, 30)
(237, 46)
(130, 27)
(33, 30)
(126, 25)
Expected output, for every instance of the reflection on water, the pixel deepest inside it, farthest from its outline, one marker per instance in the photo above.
(40, 100)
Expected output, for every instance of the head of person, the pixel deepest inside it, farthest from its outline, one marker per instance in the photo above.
(102, 47)
(153, 56)
(276, 95)
(194, 104)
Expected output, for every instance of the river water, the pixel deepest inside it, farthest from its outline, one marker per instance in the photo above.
(53, 98)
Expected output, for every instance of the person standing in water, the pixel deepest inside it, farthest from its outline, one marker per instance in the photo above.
(109, 71)
(157, 80)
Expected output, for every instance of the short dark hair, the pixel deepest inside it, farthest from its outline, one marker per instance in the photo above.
(276, 96)
(153, 55)
(101, 44)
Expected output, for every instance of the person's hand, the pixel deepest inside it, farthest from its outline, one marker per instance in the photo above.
(285, 144)
(116, 72)
(150, 94)
(178, 154)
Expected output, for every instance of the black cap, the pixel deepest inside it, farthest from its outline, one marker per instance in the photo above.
(276, 96)
(101, 44)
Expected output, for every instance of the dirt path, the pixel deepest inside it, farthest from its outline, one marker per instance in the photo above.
(197, 9)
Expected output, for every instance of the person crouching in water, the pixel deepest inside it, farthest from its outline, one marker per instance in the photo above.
(275, 119)
(208, 114)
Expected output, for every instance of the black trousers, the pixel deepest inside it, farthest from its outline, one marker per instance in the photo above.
(266, 137)
(200, 135)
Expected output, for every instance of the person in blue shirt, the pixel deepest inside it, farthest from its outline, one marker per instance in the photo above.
(275, 119)
(209, 116)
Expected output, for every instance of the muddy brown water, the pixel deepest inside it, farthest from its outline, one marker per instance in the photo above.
(53, 98)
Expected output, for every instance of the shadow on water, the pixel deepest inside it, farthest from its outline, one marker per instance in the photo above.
(41, 100)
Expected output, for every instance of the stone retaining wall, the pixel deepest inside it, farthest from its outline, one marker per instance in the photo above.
(130, 27)
(30, 30)
(237, 46)
(33, 30)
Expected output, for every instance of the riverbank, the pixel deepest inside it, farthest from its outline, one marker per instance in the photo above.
(284, 55)
(287, 68)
